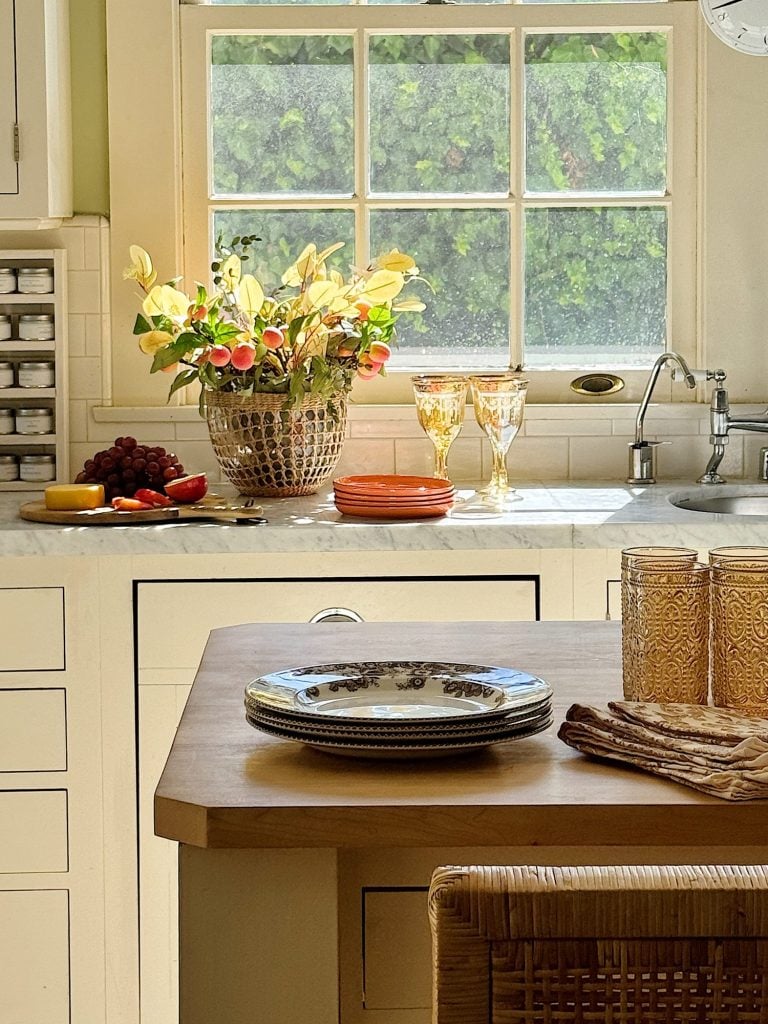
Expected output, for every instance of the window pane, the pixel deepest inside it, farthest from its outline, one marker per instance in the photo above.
(282, 115)
(439, 112)
(596, 112)
(595, 286)
(464, 254)
(284, 233)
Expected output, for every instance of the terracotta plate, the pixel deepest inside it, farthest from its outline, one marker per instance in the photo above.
(388, 502)
(392, 484)
(388, 512)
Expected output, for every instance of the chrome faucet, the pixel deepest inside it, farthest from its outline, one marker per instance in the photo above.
(642, 462)
(721, 423)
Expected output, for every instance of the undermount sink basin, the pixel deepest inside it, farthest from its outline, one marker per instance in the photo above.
(724, 504)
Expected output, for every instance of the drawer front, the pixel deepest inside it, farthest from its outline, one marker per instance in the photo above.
(33, 824)
(31, 629)
(33, 730)
(175, 618)
(34, 954)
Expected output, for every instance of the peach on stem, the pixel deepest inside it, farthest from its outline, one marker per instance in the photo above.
(243, 356)
(219, 355)
(272, 337)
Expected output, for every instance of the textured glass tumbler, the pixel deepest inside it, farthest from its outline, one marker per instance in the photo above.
(659, 557)
(665, 633)
(740, 629)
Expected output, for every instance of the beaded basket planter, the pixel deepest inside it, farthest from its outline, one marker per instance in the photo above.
(267, 450)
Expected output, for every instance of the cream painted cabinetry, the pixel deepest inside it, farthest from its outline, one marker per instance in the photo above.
(35, 119)
(51, 854)
(173, 621)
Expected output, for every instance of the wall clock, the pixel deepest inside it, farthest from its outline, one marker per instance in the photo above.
(742, 24)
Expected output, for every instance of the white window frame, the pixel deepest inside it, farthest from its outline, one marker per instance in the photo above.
(178, 152)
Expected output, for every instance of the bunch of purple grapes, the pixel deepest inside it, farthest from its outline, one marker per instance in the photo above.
(128, 465)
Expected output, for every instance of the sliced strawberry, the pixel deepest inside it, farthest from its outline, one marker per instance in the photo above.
(153, 498)
(130, 505)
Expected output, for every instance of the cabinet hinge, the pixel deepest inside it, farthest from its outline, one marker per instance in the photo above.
(16, 144)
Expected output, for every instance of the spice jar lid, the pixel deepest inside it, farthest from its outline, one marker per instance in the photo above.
(6, 412)
(37, 458)
(6, 366)
(6, 459)
(33, 410)
(37, 318)
(7, 270)
(4, 318)
(35, 365)
(35, 271)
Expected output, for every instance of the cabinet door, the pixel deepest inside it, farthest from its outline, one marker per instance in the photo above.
(9, 169)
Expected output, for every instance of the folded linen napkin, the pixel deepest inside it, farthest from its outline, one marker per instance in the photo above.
(713, 750)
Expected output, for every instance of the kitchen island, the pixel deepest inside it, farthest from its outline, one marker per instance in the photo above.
(302, 874)
(102, 630)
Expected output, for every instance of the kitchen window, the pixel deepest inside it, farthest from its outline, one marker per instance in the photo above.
(538, 160)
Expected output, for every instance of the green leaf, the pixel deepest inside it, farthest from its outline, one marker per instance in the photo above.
(176, 350)
(142, 325)
(181, 380)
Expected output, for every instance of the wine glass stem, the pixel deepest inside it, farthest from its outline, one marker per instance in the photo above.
(499, 478)
(441, 463)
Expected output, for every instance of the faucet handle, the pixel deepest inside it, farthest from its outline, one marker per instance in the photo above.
(699, 376)
(642, 461)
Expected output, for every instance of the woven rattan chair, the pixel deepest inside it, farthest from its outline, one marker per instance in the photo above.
(600, 945)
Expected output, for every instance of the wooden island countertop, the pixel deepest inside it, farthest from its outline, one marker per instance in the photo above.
(228, 786)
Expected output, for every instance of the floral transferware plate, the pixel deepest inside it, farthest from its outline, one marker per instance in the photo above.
(396, 731)
(400, 750)
(390, 691)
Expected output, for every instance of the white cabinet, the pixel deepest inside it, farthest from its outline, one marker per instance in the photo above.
(174, 619)
(9, 168)
(35, 119)
(16, 350)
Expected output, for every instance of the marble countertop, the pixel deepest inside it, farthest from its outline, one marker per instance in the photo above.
(548, 515)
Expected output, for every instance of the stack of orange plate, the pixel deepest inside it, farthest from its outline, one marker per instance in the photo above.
(389, 496)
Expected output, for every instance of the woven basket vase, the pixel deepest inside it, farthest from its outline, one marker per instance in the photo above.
(267, 450)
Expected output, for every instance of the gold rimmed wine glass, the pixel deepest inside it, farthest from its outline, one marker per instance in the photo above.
(440, 399)
(499, 403)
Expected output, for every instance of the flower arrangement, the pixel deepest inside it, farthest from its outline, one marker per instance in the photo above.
(313, 335)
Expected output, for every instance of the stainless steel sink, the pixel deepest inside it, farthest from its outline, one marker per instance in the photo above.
(724, 504)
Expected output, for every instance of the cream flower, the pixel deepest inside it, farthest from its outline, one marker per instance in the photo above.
(166, 300)
(149, 343)
(141, 268)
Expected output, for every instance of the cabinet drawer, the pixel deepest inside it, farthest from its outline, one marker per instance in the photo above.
(175, 618)
(33, 730)
(31, 629)
(33, 824)
(34, 953)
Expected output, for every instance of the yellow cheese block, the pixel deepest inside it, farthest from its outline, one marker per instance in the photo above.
(74, 497)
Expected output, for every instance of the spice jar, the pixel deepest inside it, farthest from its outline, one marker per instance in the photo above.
(9, 468)
(6, 375)
(7, 424)
(36, 327)
(35, 280)
(34, 421)
(33, 375)
(7, 280)
(37, 468)
(5, 327)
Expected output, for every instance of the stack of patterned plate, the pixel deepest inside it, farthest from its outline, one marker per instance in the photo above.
(399, 708)
(391, 496)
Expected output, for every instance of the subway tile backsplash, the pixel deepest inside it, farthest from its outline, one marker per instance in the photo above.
(555, 443)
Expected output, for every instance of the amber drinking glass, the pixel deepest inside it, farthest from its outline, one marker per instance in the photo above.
(499, 404)
(665, 631)
(440, 401)
(740, 629)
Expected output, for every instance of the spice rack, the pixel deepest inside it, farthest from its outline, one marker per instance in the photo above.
(16, 350)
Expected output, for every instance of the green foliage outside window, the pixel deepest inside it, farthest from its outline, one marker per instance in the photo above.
(595, 278)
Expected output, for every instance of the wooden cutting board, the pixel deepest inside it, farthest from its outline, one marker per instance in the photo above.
(211, 508)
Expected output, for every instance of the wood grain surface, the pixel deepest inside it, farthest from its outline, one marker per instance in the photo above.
(226, 785)
(36, 512)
